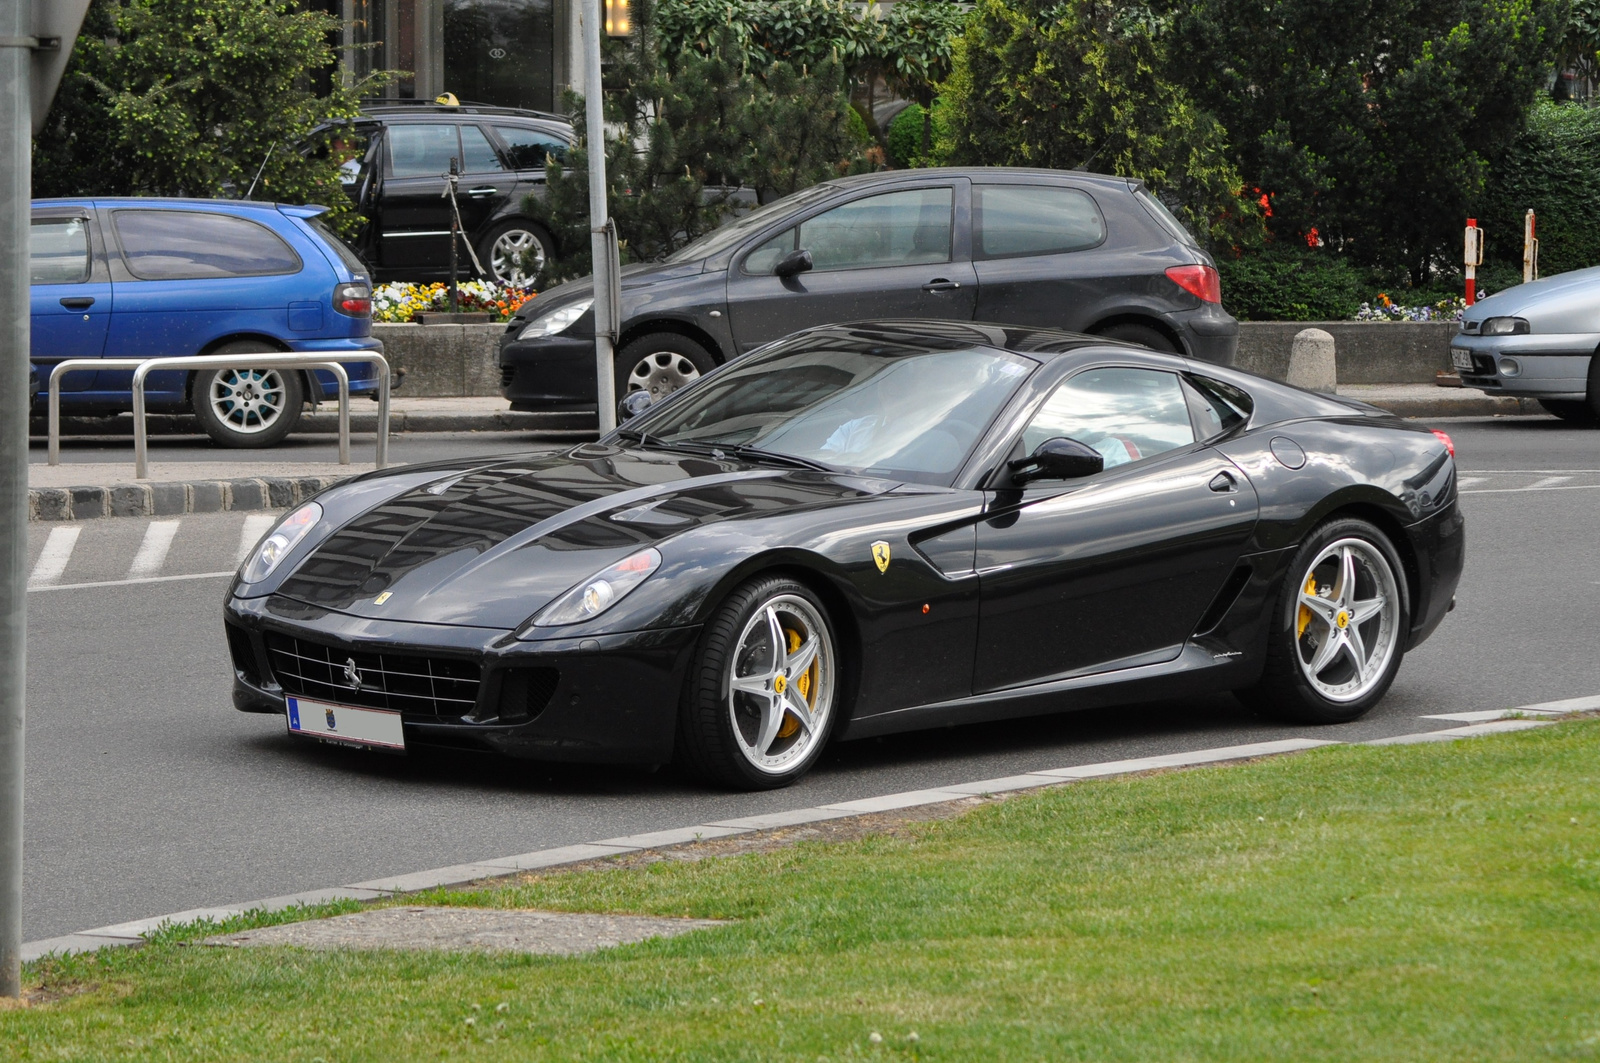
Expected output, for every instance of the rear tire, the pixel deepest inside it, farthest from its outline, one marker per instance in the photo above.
(753, 718)
(1339, 627)
(515, 252)
(1143, 335)
(247, 408)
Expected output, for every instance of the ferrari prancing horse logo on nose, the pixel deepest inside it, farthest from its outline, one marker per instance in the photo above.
(880, 554)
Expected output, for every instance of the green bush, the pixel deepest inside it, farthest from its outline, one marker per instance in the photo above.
(905, 136)
(1292, 284)
(1551, 169)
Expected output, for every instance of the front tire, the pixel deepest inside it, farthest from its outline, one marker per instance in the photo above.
(1575, 411)
(247, 408)
(764, 690)
(660, 363)
(1338, 631)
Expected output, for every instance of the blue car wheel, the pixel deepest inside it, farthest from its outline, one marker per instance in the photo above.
(247, 407)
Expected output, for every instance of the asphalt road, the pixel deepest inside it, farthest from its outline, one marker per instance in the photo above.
(148, 793)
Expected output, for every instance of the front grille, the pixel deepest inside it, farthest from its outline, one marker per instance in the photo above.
(508, 373)
(524, 692)
(427, 686)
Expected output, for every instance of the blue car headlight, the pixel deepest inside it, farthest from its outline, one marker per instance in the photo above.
(597, 593)
(276, 546)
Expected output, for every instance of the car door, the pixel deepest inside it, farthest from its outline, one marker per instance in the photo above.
(901, 253)
(486, 187)
(184, 277)
(413, 216)
(69, 293)
(1117, 568)
(1045, 254)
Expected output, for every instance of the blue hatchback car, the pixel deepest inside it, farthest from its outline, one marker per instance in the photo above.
(135, 278)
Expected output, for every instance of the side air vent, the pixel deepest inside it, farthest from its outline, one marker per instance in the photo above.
(1224, 600)
(524, 693)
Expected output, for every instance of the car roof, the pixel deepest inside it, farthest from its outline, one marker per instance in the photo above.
(936, 335)
(225, 205)
(984, 174)
(430, 109)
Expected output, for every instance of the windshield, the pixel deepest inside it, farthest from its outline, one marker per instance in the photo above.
(725, 236)
(849, 402)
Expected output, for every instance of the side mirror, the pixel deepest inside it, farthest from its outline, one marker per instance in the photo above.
(1058, 459)
(633, 404)
(796, 261)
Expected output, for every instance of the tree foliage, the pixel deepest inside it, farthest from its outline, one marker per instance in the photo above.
(1368, 125)
(1087, 85)
(1550, 169)
(193, 97)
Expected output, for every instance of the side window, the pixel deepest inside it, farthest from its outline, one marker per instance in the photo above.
(893, 229)
(1216, 407)
(58, 251)
(161, 245)
(477, 155)
(1125, 414)
(764, 259)
(528, 147)
(1014, 220)
(421, 150)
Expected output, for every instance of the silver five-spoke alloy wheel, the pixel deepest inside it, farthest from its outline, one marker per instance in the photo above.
(247, 401)
(781, 683)
(516, 257)
(661, 373)
(1348, 619)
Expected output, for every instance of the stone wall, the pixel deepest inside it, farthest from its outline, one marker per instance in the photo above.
(443, 360)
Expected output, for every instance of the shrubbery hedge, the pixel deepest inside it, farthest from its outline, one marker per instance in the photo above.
(1292, 284)
(1552, 168)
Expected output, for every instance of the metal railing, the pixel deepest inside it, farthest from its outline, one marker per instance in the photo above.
(143, 367)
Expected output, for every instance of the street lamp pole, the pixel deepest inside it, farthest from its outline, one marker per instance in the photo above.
(16, 189)
(602, 238)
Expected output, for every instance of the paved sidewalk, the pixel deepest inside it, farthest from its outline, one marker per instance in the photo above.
(82, 491)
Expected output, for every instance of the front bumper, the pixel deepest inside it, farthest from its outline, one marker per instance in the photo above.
(614, 697)
(1541, 366)
(552, 371)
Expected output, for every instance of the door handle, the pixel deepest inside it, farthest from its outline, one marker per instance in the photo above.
(78, 302)
(940, 284)
(483, 190)
(1222, 482)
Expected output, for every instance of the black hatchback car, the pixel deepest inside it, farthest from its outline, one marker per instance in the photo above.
(398, 154)
(1075, 251)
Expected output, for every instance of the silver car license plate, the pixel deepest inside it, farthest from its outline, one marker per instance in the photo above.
(1461, 358)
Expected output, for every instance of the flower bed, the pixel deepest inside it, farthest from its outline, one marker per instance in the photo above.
(1385, 309)
(399, 303)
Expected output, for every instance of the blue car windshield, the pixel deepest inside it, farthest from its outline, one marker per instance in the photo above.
(850, 403)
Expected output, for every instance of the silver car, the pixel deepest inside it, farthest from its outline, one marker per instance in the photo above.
(1539, 341)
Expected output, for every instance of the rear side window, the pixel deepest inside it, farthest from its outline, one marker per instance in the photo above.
(340, 248)
(477, 156)
(1014, 220)
(1215, 406)
(1168, 220)
(422, 150)
(58, 251)
(162, 245)
(528, 147)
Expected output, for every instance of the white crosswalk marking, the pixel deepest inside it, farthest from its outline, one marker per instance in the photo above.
(153, 550)
(55, 555)
(1468, 481)
(255, 526)
(1548, 481)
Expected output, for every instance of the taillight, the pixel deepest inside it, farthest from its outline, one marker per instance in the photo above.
(1445, 439)
(1202, 282)
(353, 299)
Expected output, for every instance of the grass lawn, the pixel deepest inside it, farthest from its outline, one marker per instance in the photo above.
(1410, 903)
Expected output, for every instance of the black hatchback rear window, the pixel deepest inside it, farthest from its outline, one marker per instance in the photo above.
(195, 245)
(1015, 220)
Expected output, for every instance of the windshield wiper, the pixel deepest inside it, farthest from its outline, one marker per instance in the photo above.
(777, 457)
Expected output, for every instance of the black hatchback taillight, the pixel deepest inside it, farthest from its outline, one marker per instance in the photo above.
(353, 299)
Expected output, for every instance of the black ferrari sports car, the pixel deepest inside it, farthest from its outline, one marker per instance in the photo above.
(857, 530)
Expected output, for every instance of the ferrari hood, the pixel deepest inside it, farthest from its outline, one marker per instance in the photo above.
(491, 546)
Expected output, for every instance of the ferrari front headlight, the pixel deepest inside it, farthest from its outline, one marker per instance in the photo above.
(276, 546)
(554, 321)
(599, 592)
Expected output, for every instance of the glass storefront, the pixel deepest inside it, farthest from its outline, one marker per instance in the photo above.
(501, 52)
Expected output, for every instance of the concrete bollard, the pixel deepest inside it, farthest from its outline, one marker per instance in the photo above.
(1311, 361)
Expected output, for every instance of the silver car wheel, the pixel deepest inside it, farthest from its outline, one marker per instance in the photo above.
(661, 373)
(516, 258)
(247, 401)
(1348, 619)
(780, 683)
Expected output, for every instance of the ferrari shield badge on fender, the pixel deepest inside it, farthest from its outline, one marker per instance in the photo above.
(880, 554)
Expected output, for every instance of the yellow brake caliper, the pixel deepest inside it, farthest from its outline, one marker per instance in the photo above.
(1305, 614)
(802, 683)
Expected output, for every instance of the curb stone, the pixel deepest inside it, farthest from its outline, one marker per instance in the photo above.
(173, 499)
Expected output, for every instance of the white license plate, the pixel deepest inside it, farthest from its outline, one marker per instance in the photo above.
(346, 723)
(1461, 358)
